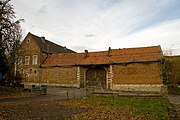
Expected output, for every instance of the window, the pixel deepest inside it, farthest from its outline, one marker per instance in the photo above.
(35, 72)
(22, 71)
(30, 71)
(35, 59)
(28, 40)
(19, 61)
(27, 59)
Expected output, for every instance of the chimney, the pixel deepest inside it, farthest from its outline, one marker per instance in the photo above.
(43, 38)
(65, 48)
(109, 52)
(86, 53)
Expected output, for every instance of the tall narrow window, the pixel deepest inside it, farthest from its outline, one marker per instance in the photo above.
(30, 71)
(35, 59)
(20, 61)
(22, 71)
(35, 72)
(27, 59)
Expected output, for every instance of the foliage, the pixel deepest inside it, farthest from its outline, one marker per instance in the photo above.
(172, 64)
(174, 90)
(13, 92)
(10, 35)
(18, 79)
(164, 74)
(8, 90)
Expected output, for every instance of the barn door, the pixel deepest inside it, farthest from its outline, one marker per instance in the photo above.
(96, 76)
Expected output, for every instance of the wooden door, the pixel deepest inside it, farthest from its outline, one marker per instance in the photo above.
(96, 76)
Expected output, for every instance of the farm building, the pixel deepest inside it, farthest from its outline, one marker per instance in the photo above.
(43, 62)
(115, 69)
(32, 52)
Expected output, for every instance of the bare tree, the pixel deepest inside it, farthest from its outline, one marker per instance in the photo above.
(10, 36)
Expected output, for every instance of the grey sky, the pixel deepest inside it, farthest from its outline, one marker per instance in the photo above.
(98, 24)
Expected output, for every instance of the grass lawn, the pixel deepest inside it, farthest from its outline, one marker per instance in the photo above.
(8, 90)
(135, 108)
(12, 92)
(96, 108)
(100, 108)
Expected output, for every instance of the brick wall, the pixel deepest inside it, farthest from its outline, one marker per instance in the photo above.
(60, 75)
(137, 73)
(29, 72)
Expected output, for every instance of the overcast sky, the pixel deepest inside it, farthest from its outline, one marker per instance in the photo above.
(98, 24)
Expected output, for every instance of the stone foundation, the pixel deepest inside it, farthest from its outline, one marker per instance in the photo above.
(26, 85)
(135, 87)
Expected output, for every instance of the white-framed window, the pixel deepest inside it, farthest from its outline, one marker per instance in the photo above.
(34, 59)
(27, 59)
(20, 61)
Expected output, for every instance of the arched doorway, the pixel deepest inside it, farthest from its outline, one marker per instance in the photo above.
(96, 76)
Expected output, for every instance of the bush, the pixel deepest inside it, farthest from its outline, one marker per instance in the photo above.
(18, 80)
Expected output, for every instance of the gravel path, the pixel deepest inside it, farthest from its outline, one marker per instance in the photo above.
(175, 102)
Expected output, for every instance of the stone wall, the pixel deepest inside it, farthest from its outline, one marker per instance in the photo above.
(138, 87)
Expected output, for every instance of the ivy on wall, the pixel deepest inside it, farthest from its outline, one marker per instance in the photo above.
(163, 74)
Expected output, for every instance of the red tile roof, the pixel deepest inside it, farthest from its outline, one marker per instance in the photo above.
(128, 55)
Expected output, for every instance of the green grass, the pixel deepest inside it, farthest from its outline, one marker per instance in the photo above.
(144, 108)
(9, 90)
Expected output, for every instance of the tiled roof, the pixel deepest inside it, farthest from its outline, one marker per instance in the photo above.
(112, 56)
(48, 46)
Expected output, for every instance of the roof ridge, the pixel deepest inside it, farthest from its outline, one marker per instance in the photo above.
(45, 39)
(124, 49)
(49, 46)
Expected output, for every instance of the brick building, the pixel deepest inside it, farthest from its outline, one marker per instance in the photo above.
(32, 53)
(43, 62)
(115, 69)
